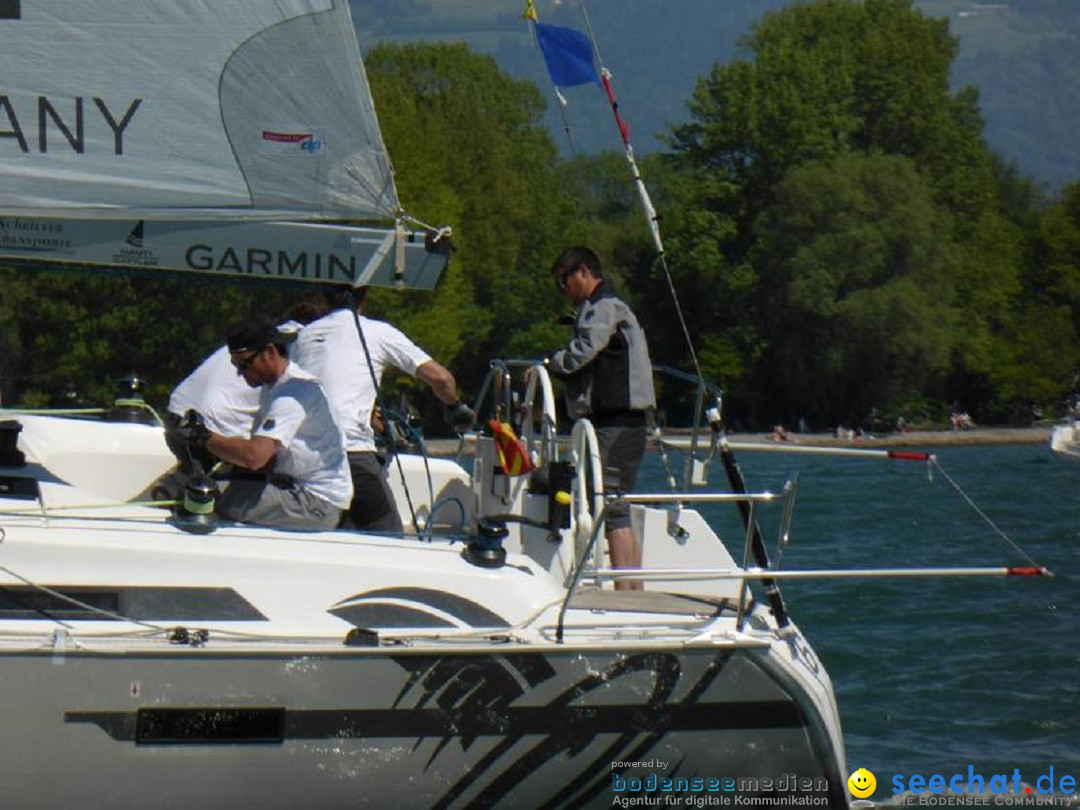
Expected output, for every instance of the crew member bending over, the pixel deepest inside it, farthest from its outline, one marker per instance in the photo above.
(297, 471)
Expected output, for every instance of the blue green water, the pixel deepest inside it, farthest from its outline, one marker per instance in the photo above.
(934, 675)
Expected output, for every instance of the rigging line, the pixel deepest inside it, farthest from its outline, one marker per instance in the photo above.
(72, 600)
(379, 405)
(662, 258)
(592, 34)
(989, 521)
(643, 193)
(46, 509)
(30, 608)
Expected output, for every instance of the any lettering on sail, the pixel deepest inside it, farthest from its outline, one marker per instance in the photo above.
(72, 127)
(279, 264)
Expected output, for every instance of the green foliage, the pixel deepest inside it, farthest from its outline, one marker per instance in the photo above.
(855, 297)
(470, 151)
(845, 209)
(68, 337)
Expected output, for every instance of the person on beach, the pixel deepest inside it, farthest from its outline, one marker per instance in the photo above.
(608, 377)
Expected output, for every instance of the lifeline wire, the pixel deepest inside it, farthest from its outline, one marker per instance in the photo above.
(66, 598)
(989, 521)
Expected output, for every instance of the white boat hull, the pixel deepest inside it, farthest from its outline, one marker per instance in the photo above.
(1065, 440)
(401, 728)
(254, 667)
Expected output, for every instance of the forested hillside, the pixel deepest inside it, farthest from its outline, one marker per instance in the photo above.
(1023, 56)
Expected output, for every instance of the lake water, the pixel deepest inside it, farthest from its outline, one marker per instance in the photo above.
(935, 675)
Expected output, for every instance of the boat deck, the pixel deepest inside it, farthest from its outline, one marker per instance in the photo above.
(652, 602)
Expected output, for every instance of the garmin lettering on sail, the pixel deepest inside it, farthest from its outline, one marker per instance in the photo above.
(53, 122)
(273, 263)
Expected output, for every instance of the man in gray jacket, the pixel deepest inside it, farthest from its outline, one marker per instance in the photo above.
(608, 377)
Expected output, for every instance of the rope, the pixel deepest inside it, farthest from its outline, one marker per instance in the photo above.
(439, 232)
(72, 600)
(379, 404)
(979, 511)
(662, 258)
(45, 509)
(650, 213)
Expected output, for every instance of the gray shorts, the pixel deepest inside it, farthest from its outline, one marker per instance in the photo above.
(268, 504)
(621, 451)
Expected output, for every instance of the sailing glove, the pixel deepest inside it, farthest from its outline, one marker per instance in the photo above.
(193, 429)
(459, 416)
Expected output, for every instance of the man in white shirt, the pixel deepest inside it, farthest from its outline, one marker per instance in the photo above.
(227, 406)
(224, 401)
(332, 349)
(297, 470)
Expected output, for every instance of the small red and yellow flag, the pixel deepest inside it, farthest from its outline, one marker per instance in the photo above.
(513, 456)
(530, 11)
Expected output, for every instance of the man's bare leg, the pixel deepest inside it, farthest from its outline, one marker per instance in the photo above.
(625, 553)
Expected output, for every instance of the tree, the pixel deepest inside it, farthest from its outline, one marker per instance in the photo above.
(855, 293)
(68, 337)
(470, 151)
(823, 83)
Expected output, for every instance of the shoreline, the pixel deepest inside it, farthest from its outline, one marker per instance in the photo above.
(909, 438)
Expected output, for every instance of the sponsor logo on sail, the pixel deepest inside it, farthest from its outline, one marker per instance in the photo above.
(33, 236)
(134, 253)
(45, 124)
(135, 237)
(306, 140)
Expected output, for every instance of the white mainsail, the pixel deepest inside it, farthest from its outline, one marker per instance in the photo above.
(183, 111)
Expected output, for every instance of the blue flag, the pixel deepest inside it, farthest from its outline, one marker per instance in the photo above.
(568, 54)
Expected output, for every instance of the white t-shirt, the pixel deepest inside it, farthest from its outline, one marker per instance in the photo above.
(294, 411)
(227, 403)
(330, 349)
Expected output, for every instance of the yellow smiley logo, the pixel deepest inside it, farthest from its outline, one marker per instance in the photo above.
(861, 783)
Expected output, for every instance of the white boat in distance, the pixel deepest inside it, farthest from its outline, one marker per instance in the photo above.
(485, 660)
(1065, 439)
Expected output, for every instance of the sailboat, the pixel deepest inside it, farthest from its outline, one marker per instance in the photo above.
(482, 659)
(1065, 439)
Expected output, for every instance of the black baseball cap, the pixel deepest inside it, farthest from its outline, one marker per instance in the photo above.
(255, 337)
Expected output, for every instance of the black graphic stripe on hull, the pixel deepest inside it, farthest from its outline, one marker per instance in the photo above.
(323, 724)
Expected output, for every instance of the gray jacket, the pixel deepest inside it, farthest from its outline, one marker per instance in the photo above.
(606, 365)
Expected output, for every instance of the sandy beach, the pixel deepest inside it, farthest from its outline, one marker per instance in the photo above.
(910, 438)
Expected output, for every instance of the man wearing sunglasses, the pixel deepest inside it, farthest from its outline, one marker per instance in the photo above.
(608, 377)
(294, 470)
(224, 402)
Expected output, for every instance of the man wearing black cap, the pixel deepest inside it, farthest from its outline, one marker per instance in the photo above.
(296, 451)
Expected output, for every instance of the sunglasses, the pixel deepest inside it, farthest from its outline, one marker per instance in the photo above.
(561, 278)
(247, 362)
